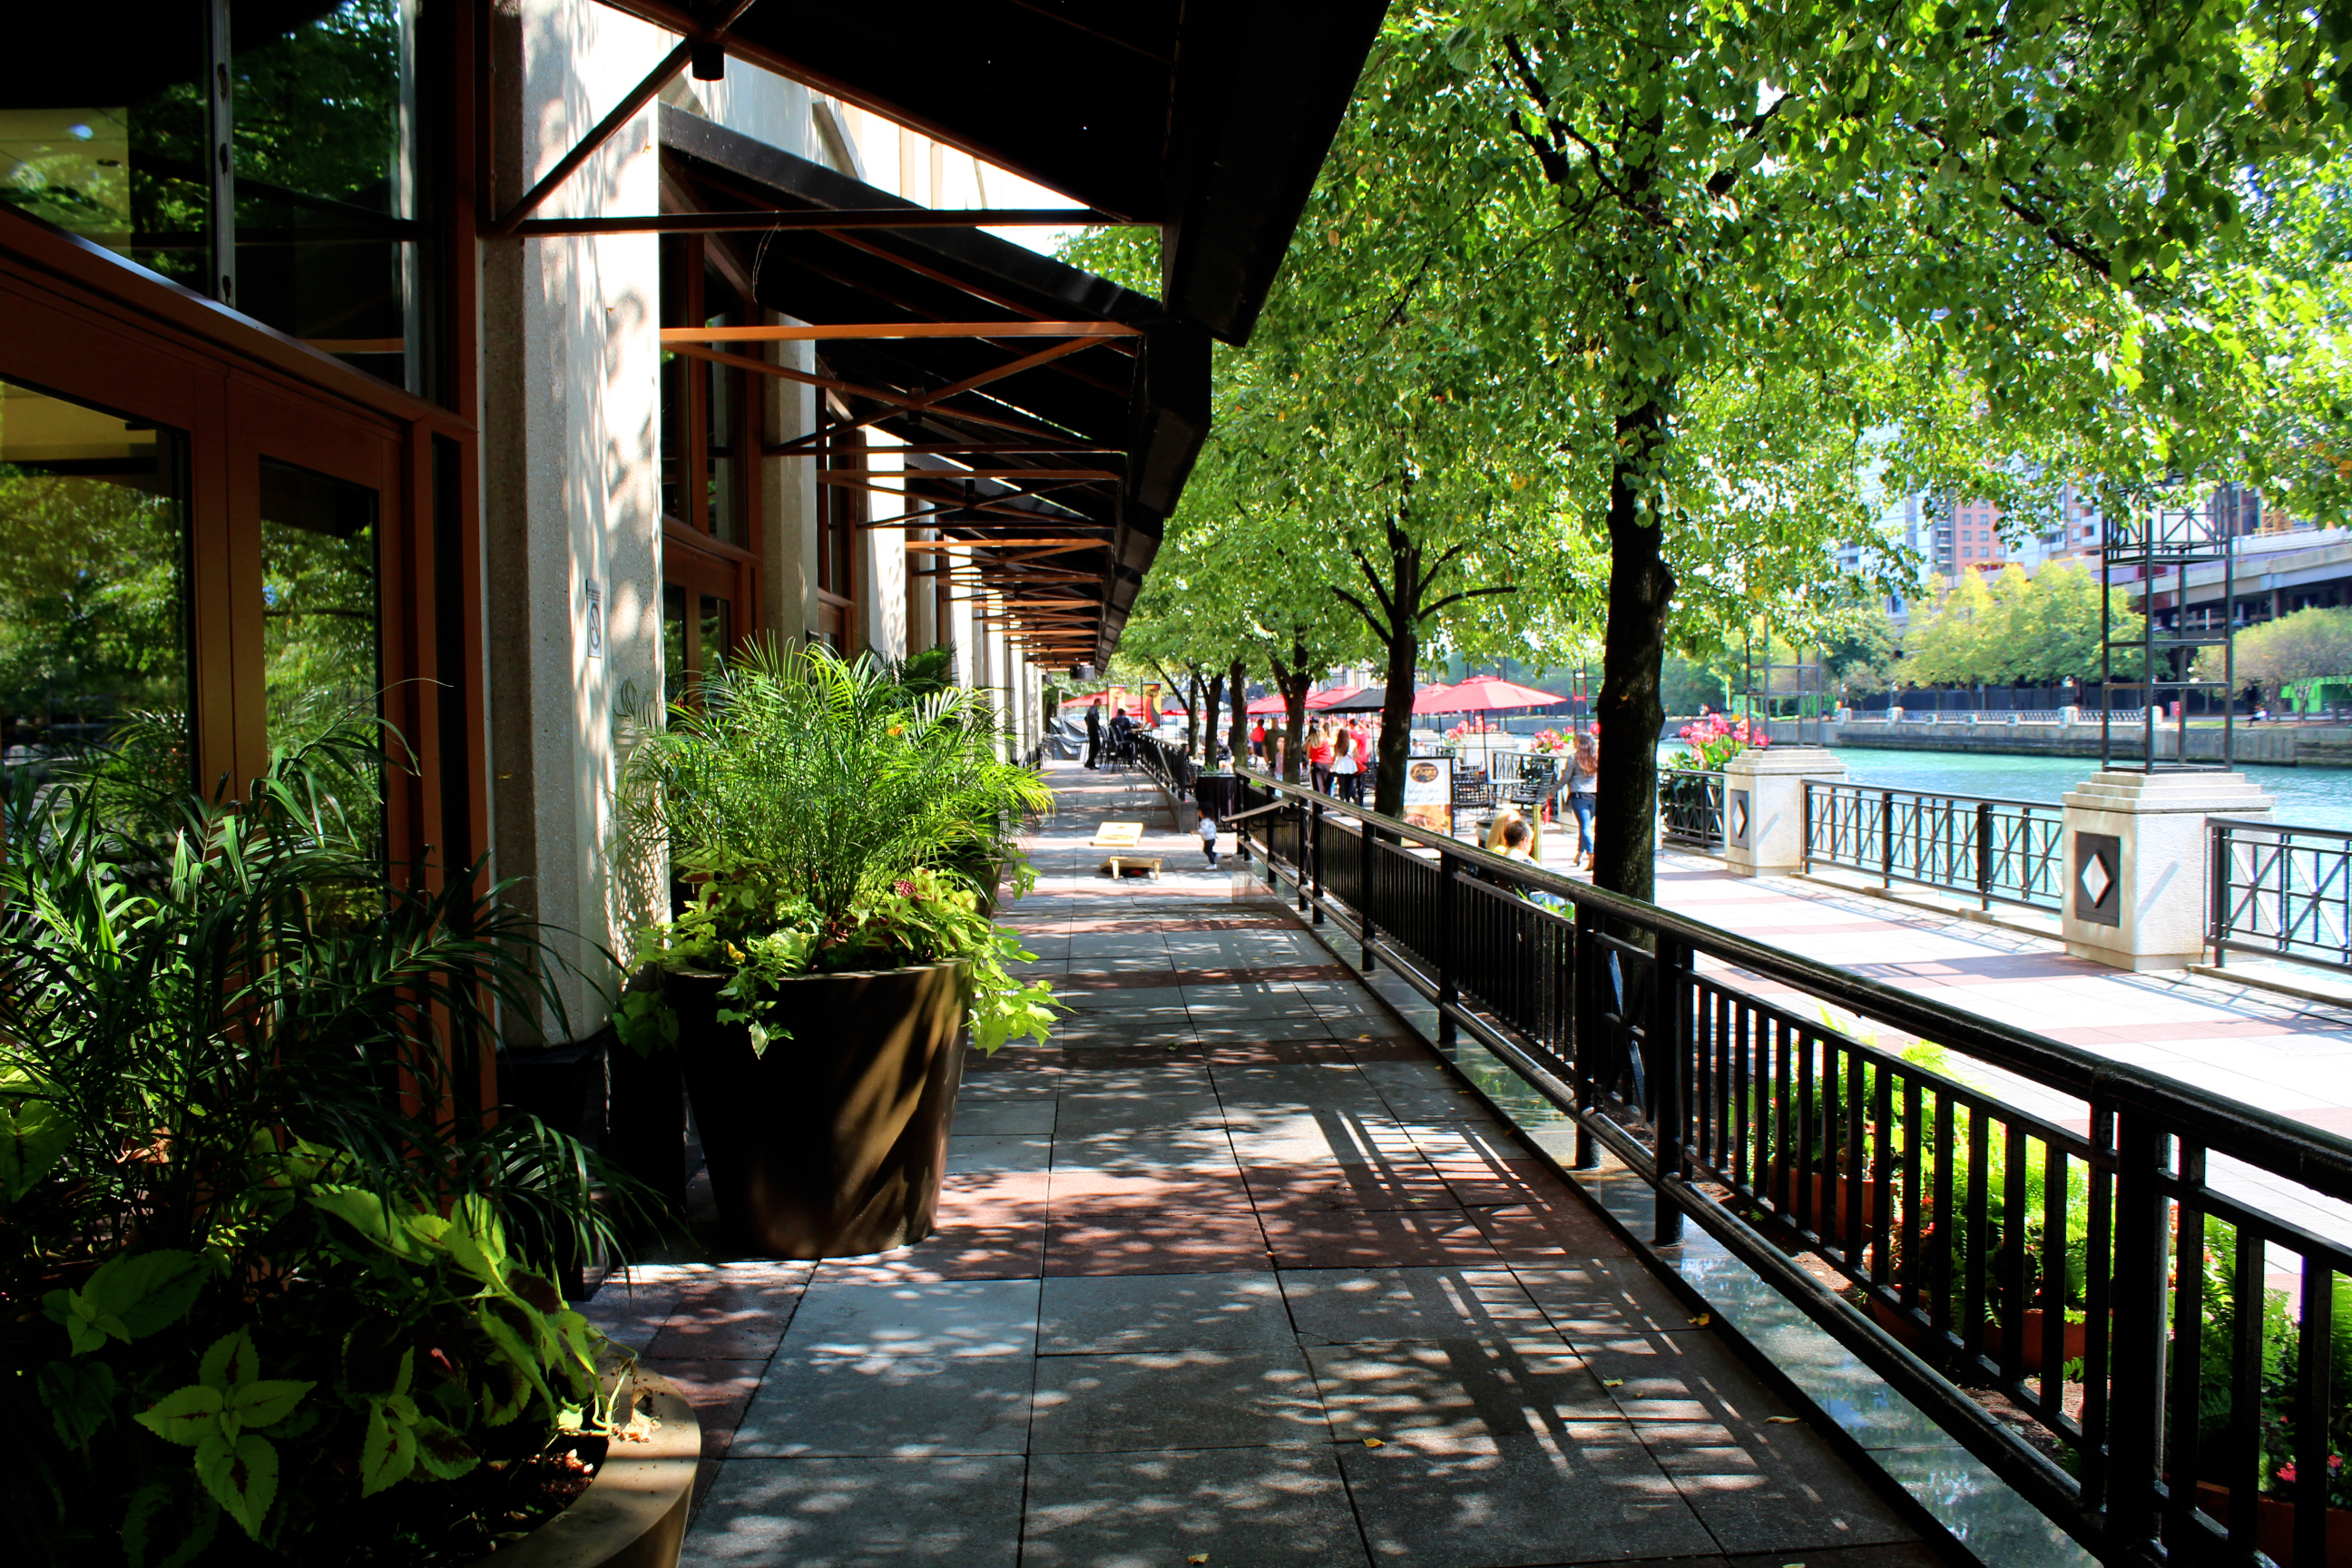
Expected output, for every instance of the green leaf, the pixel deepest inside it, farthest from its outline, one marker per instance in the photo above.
(232, 1360)
(160, 1512)
(387, 1449)
(186, 1415)
(138, 1293)
(241, 1474)
(79, 1395)
(477, 1241)
(268, 1402)
(441, 1453)
(368, 1213)
(33, 1138)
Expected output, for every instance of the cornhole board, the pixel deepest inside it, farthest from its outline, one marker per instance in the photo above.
(1121, 865)
(1116, 835)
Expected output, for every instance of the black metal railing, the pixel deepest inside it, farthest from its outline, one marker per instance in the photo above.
(2281, 891)
(1690, 808)
(1999, 851)
(2085, 1304)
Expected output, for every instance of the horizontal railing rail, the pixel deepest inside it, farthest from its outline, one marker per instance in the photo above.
(2086, 1276)
(2281, 891)
(1690, 808)
(1997, 851)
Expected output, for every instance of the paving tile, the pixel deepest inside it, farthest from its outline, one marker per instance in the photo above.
(1399, 1183)
(1375, 1238)
(1119, 1313)
(1028, 1116)
(861, 1513)
(1763, 1488)
(1455, 1388)
(1591, 1493)
(989, 1227)
(960, 1318)
(1084, 1112)
(1126, 1235)
(880, 1405)
(1543, 1232)
(1338, 1306)
(719, 1390)
(727, 1317)
(1491, 1183)
(1197, 1398)
(1597, 1301)
(1150, 1148)
(1273, 1053)
(631, 1312)
(998, 1151)
(1691, 1375)
(1235, 1508)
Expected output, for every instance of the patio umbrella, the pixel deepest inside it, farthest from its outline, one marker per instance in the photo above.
(1484, 693)
(1269, 703)
(1438, 699)
(1363, 700)
(1327, 700)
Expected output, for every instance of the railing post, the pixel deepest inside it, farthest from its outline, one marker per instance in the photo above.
(1984, 854)
(1315, 812)
(2135, 1414)
(1662, 1034)
(2217, 882)
(1805, 857)
(1886, 838)
(1448, 936)
(1368, 852)
(1584, 1003)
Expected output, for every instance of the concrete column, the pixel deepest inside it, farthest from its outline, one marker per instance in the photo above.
(2134, 895)
(1764, 807)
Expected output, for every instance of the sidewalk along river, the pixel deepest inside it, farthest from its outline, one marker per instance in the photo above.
(2307, 797)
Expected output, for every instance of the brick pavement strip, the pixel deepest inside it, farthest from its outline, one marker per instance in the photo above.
(1229, 1272)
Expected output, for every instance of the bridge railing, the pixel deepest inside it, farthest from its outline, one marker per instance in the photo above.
(1997, 851)
(2081, 1300)
(1690, 808)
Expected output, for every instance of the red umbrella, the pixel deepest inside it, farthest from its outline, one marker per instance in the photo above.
(1270, 703)
(1438, 699)
(1483, 693)
(1337, 694)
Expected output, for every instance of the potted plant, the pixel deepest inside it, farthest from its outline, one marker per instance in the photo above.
(267, 1290)
(828, 819)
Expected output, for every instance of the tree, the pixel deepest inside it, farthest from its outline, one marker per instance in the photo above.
(1792, 190)
(2013, 628)
(2310, 644)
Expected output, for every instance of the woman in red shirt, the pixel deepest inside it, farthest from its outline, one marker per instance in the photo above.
(1320, 756)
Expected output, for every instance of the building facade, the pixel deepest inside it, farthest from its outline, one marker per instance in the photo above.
(496, 367)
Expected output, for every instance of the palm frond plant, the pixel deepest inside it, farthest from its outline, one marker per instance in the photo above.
(838, 829)
(828, 817)
(270, 1289)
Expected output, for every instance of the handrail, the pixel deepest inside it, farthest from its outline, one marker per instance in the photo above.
(2000, 850)
(2275, 894)
(1937, 1205)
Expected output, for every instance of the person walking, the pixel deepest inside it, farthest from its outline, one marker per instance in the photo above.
(1346, 769)
(1584, 795)
(1257, 741)
(1320, 756)
(1094, 732)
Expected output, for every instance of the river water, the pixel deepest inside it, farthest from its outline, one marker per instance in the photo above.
(2307, 797)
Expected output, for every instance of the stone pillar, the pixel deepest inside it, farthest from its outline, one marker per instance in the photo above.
(1764, 807)
(2134, 894)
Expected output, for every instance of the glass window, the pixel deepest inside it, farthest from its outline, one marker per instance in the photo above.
(324, 122)
(717, 640)
(322, 645)
(94, 647)
(674, 669)
(110, 145)
(725, 394)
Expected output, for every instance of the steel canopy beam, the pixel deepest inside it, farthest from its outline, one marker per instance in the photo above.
(823, 218)
(797, 334)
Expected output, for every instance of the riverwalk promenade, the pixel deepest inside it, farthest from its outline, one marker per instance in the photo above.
(1233, 1273)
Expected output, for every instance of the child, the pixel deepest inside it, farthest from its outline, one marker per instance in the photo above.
(1209, 838)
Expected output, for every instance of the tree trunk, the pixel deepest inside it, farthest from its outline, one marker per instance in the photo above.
(1292, 680)
(1396, 709)
(1192, 711)
(1631, 712)
(1239, 740)
(1213, 703)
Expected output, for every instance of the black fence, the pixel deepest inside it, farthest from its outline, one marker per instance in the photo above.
(1690, 808)
(2280, 891)
(1997, 851)
(2089, 1281)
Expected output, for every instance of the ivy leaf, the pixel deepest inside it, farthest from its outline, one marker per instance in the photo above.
(241, 1474)
(387, 1449)
(268, 1402)
(186, 1415)
(135, 1295)
(231, 1361)
(33, 1137)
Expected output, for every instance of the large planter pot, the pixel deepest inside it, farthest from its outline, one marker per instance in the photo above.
(833, 1143)
(632, 1515)
(2274, 1526)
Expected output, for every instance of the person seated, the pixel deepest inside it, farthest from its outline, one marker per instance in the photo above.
(1515, 836)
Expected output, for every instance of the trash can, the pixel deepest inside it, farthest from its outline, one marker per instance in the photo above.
(1218, 794)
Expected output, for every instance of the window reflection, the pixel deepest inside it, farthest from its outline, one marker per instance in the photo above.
(321, 628)
(93, 574)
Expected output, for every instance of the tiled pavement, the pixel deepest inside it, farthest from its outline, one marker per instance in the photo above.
(1231, 1273)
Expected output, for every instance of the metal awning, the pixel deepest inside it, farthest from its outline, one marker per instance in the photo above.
(1053, 414)
(1208, 119)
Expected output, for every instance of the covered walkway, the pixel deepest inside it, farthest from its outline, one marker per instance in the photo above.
(1232, 1274)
